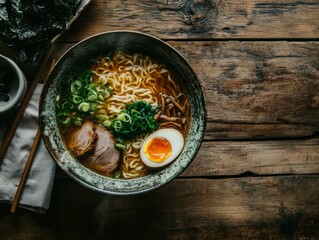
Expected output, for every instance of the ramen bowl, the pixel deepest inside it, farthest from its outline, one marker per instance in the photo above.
(131, 42)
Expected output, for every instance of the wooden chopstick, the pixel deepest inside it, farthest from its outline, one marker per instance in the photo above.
(28, 164)
(25, 171)
(25, 102)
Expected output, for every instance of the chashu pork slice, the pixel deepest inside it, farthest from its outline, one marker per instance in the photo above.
(81, 141)
(105, 158)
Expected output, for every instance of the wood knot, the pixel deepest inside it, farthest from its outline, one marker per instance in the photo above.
(314, 101)
(201, 15)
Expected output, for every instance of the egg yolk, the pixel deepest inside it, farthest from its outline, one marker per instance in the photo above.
(158, 149)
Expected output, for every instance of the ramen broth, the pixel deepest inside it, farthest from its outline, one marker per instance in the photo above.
(122, 85)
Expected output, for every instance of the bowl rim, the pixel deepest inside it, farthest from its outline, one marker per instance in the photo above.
(75, 175)
(22, 85)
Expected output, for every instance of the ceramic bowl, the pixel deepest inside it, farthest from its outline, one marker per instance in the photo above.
(135, 42)
(13, 85)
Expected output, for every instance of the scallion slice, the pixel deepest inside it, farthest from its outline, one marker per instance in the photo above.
(76, 86)
(84, 107)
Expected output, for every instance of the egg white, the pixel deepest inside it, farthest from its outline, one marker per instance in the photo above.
(174, 137)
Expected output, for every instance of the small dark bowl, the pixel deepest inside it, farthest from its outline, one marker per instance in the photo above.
(133, 42)
(12, 95)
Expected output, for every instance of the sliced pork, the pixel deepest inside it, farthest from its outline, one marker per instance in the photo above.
(105, 158)
(81, 141)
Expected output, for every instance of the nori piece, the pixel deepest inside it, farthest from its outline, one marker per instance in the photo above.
(28, 26)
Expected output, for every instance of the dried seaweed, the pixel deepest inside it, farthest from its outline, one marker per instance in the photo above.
(27, 26)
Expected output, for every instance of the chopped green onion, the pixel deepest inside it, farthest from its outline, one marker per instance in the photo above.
(101, 97)
(92, 91)
(116, 174)
(107, 94)
(107, 123)
(102, 112)
(117, 125)
(84, 107)
(77, 99)
(120, 146)
(92, 85)
(67, 105)
(124, 117)
(99, 89)
(102, 117)
(76, 86)
(93, 106)
(83, 98)
(66, 120)
(78, 121)
(92, 97)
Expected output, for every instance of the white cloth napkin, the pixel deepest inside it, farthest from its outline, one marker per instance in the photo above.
(36, 193)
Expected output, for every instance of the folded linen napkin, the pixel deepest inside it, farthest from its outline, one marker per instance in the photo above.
(36, 193)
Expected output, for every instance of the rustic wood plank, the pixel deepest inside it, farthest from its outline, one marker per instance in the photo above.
(236, 208)
(272, 157)
(193, 19)
(255, 89)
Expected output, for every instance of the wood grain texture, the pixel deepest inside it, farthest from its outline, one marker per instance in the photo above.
(246, 158)
(204, 19)
(255, 89)
(235, 208)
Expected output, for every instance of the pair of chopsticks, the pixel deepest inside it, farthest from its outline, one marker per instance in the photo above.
(13, 127)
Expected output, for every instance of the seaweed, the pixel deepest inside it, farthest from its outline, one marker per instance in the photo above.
(28, 26)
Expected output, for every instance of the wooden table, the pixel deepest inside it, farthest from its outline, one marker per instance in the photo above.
(256, 175)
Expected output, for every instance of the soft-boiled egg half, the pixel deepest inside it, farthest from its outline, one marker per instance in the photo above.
(161, 147)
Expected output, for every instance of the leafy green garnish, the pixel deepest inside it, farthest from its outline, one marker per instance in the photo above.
(136, 119)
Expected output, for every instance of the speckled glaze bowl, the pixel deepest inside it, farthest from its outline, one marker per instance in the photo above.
(133, 42)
